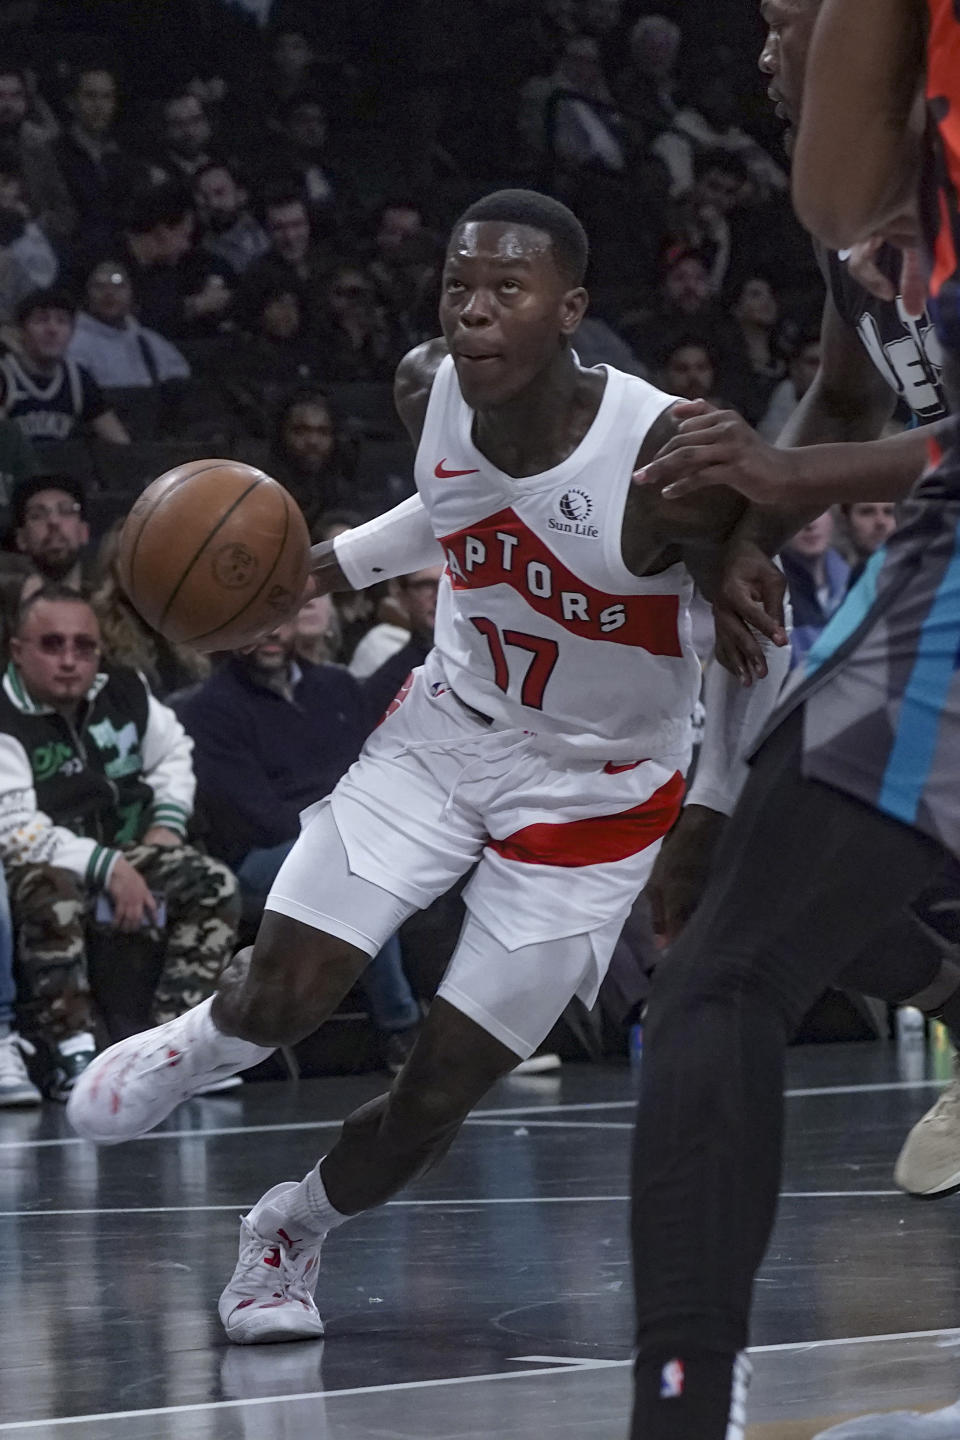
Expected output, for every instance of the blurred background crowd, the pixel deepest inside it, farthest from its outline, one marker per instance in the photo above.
(221, 226)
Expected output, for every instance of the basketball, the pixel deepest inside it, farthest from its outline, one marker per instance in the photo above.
(214, 554)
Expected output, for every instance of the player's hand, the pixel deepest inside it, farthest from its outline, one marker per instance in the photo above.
(718, 447)
(131, 897)
(160, 835)
(681, 870)
(749, 598)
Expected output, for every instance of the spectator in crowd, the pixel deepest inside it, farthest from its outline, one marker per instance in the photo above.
(276, 357)
(710, 124)
(569, 120)
(47, 193)
(317, 631)
(229, 230)
(308, 455)
(301, 151)
(177, 291)
(294, 258)
(187, 136)
(50, 528)
(802, 367)
(18, 461)
(110, 342)
(48, 395)
(22, 238)
(127, 639)
(689, 368)
(756, 312)
(99, 173)
(272, 736)
(409, 636)
(817, 579)
(712, 215)
(96, 789)
(292, 59)
(16, 1087)
(646, 88)
(869, 526)
(685, 297)
(357, 340)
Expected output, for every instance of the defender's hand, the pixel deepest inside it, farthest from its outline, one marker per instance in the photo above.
(718, 447)
(681, 870)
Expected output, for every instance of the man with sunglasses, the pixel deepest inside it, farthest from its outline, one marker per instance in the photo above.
(96, 789)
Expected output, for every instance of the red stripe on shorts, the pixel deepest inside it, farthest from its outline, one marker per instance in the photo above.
(601, 838)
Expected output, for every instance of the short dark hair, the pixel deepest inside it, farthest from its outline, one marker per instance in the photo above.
(24, 491)
(690, 339)
(568, 239)
(50, 297)
(283, 192)
(55, 593)
(214, 164)
(155, 205)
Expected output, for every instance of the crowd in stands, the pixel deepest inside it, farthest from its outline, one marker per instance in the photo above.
(222, 223)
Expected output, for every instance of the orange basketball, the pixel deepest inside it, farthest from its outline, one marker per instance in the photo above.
(214, 554)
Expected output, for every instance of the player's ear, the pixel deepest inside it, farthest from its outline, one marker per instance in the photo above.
(573, 307)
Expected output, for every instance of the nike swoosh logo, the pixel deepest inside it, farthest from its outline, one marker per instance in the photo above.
(442, 474)
(611, 769)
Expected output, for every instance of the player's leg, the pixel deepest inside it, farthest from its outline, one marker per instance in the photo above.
(807, 877)
(493, 1008)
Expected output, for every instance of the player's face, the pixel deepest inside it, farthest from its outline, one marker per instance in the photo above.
(871, 526)
(57, 651)
(505, 309)
(783, 59)
(53, 531)
(46, 333)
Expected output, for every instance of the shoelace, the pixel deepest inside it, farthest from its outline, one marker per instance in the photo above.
(289, 1276)
(13, 1048)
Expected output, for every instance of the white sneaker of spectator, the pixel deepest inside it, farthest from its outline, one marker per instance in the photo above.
(16, 1087)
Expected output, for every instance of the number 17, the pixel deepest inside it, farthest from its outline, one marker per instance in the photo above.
(544, 653)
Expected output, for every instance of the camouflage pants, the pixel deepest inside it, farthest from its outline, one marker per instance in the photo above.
(51, 912)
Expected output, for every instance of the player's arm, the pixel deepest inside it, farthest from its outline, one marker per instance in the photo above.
(863, 77)
(402, 540)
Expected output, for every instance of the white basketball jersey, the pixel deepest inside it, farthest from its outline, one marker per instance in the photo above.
(540, 625)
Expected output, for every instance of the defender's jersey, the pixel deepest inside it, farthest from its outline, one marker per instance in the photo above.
(540, 625)
(941, 191)
(906, 351)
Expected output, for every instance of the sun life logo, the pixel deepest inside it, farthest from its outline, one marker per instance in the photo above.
(575, 505)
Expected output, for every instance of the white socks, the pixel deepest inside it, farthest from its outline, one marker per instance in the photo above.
(227, 1049)
(304, 1207)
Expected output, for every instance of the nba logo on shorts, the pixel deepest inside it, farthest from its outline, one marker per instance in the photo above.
(671, 1380)
(438, 688)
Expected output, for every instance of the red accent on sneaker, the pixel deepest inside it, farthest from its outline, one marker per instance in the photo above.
(244, 1303)
(286, 1239)
(273, 1257)
(174, 1056)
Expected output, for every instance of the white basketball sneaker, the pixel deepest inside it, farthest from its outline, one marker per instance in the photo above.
(135, 1084)
(270, 1295)
(903, 1425)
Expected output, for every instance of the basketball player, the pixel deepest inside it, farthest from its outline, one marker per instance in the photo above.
(872, 352)
(545, 737)
(851, 806)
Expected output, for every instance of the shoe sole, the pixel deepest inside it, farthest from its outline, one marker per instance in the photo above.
(276, 1337)
(950, 1186)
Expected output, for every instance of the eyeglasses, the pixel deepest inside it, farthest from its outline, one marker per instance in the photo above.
(39, 514)
(83, 646)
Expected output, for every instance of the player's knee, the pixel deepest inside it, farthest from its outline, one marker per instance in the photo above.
(294, 979)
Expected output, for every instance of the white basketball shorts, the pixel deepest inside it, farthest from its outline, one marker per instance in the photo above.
(561, 848)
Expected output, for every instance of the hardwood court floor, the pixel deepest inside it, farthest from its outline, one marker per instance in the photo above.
(492, 1300)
